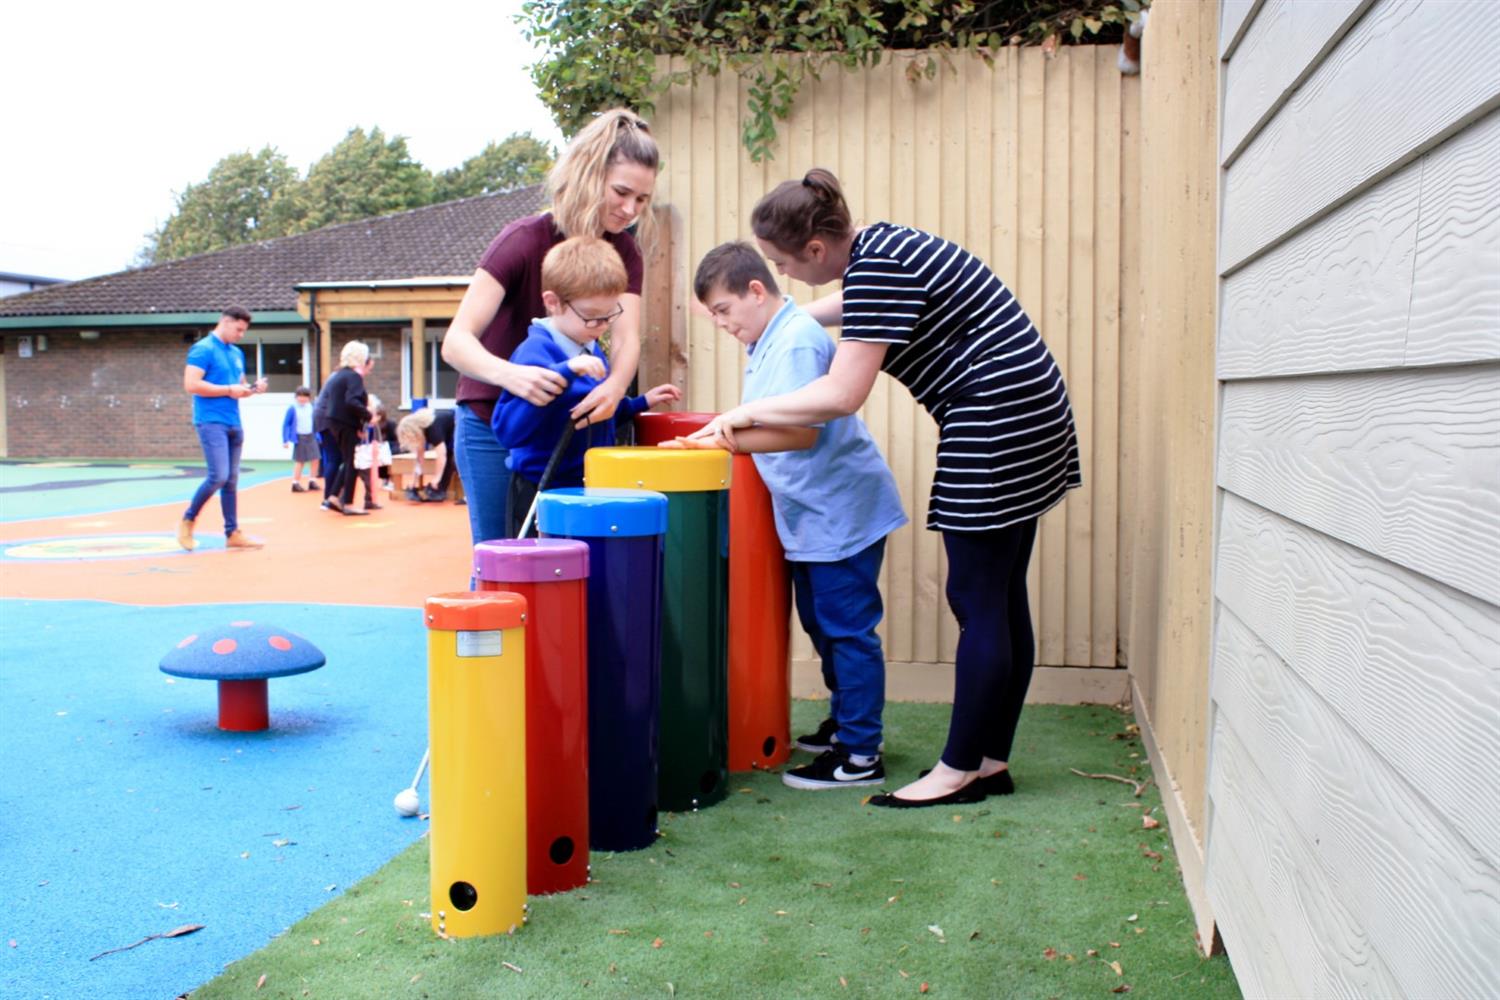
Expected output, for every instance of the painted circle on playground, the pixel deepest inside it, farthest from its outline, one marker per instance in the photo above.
(93, 547)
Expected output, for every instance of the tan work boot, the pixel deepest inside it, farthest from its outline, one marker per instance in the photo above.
(239, 540)
(185, 535)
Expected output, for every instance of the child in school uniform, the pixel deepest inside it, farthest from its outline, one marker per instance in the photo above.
(834, 501)
(582, 281)
(297, 434)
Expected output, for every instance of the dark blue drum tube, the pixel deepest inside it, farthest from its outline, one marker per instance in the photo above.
(624, 530)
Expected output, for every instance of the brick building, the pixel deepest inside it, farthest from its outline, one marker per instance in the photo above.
(93, 368)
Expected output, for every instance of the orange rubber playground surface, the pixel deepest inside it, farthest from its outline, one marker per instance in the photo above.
(395, 557)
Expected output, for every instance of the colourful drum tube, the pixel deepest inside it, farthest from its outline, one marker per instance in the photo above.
(623, 530)
(693, 769)
(476, 698)
(552, 575)
(760, 607)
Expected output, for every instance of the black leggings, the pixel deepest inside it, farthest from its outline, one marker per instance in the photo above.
(992, 670)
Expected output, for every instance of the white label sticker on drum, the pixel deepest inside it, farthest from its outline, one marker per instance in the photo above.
(478, 643)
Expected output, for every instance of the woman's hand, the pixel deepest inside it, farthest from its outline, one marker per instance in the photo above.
(664, 393)
(599, 404)
(538, 386)
(720, 430)
(587, 365)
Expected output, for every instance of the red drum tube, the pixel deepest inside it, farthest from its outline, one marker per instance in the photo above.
(552, 575)
(760, 607)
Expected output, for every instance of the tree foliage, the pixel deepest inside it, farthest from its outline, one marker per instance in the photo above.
(244, 198)
(366, 174)
(602, 53)
(517, 161)
(248, 197)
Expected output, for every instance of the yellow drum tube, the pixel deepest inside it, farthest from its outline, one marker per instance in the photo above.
(476, 698)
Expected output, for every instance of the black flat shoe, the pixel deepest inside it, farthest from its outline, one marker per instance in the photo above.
(999, 783)
(967, 795)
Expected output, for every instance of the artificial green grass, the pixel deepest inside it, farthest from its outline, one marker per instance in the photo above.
(784, 893)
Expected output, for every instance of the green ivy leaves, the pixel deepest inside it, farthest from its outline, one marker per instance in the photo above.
(603, 53)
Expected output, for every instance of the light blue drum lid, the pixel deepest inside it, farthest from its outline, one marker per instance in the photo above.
(601, 512)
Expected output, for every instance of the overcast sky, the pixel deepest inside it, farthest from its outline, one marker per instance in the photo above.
(111, 108)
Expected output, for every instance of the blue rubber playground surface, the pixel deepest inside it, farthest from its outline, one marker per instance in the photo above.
(125, 811)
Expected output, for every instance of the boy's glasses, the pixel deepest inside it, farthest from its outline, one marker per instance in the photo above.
(595, 322)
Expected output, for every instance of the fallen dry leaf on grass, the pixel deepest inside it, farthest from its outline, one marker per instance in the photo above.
(1049, 953)
(261, 981)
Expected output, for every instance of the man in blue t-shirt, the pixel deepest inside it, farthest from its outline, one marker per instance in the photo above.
(215, 378)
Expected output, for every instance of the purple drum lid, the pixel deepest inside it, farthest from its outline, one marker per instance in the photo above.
(531, 560)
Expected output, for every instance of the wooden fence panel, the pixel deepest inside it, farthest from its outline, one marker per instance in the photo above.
(1028, 162)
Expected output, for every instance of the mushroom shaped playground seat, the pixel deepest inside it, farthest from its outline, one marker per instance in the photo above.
(242, 656)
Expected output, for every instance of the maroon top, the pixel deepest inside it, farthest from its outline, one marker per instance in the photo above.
(514, 259)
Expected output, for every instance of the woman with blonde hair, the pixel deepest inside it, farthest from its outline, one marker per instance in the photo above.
(423, 429)
(339, 416)
(601, 186)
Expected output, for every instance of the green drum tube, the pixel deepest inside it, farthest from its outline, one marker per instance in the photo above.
(693, 763)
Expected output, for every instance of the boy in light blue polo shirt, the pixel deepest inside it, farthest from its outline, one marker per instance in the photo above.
(834, 501)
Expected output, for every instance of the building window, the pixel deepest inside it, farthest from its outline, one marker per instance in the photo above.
(279, 355)
(440, 377)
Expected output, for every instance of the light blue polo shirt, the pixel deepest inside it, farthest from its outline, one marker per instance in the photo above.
(222, 364)
(838, 497)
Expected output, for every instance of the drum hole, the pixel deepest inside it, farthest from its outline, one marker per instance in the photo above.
(768, 748)
(463, 895)
(561, 851)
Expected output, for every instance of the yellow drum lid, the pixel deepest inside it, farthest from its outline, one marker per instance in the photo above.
(667, 470)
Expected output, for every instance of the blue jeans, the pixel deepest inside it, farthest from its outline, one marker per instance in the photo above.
(481, 462)
(839, 605)
(221, 450)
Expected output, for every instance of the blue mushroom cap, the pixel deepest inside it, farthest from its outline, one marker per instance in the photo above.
(242, 651)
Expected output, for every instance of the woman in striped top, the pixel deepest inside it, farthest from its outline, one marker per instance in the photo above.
(937, 319)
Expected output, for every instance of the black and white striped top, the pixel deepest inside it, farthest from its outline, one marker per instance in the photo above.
(1007, 448)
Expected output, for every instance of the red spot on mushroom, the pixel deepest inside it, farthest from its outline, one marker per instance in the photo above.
(188, 641)
(280, 642)
(242, 624)
(225, 646)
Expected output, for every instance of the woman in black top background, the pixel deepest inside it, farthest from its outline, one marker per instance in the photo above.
(339, 414)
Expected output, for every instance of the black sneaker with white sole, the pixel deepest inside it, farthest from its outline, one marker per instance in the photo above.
(818, 741)
(833, 769)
